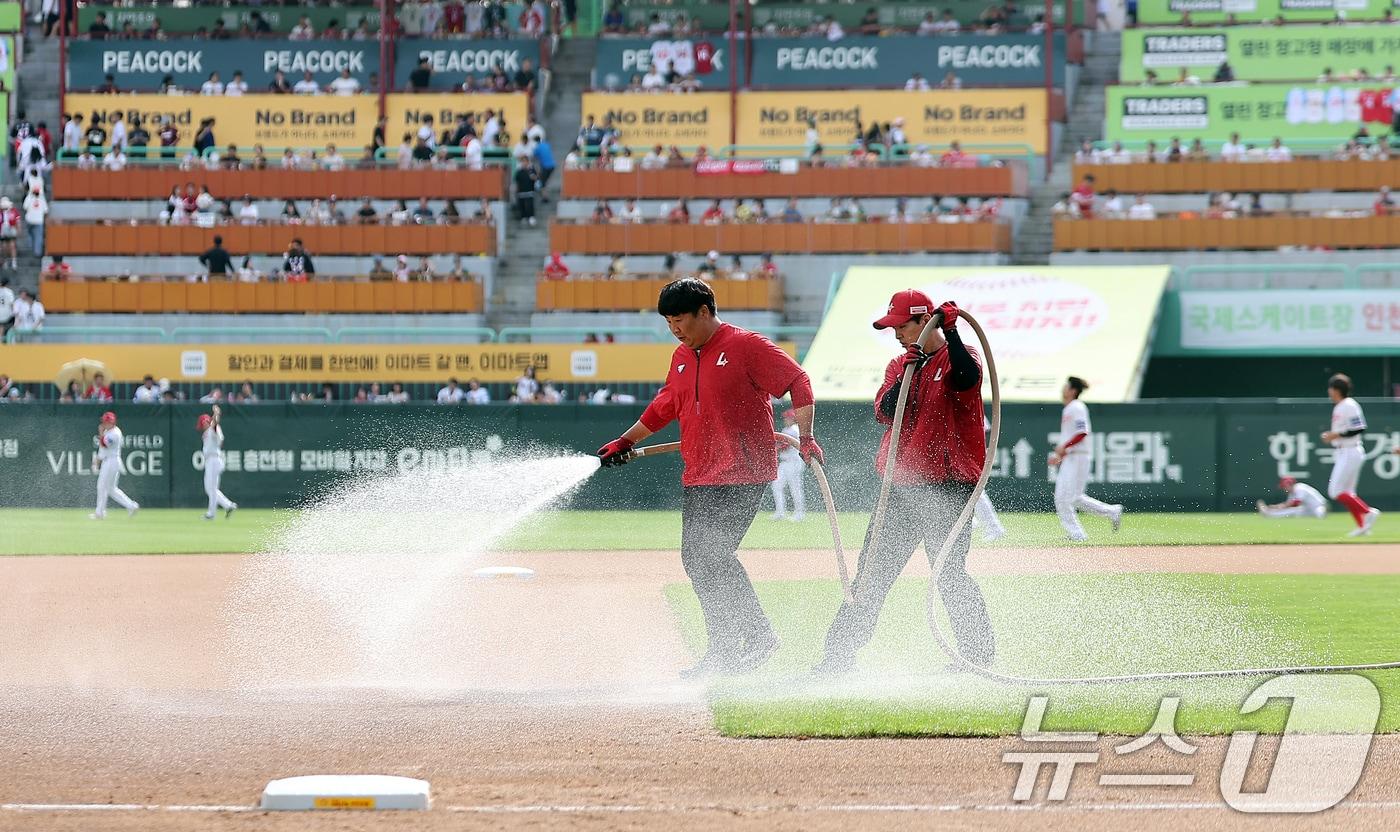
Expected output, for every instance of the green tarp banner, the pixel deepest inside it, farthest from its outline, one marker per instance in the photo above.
(1259, 53)
(1259, 112)
(1158, 12)
(453, 60)
(1149, 455)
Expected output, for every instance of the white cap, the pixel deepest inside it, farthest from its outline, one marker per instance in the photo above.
(714, 254)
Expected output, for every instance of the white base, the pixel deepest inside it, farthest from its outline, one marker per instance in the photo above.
(504, 572)
(346, 791)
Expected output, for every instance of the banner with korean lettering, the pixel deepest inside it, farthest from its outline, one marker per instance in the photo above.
(1259, 53)
(1009, 60)
(973, 117)
(1364, 321)
(647, 119)
(275, 121)
(453, 60)
(142, 65)
(1044, 322)
(1168, 12)
(1258, 112)
(405, 112)
(348, 362)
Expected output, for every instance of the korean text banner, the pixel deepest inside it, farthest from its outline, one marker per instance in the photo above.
(648, 119)
(407, 111)
(1156, 12)
(1258, 53)
(453, 60)
(139, 65)
(1044, 323)
(1286, 321)
(229, 363)
(1259, 112)
(270, 120)
(191, 19)
(621, 58)
(973, 117)
(871, 61)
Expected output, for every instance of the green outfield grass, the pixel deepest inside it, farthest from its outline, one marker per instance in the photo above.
(182, 531)
(1063, 626)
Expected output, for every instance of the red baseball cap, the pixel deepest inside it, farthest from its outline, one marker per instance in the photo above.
(109, 416)
(204, 421)
(1287, 483)
(905, 306)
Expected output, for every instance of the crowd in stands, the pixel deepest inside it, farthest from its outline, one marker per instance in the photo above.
(1233, 150)
(998, 17)
(1340, 19)
(841, 209)
(712, 267)
(1084, 202)
(1225, 74)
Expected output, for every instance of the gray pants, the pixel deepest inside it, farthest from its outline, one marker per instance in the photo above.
(714, 520)
(916, 513)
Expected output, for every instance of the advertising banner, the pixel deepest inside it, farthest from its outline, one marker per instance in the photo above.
(8, 58)
(781, 15)
(270, 120)
(140, 65)
(189, 19)
(1295, 321)
(1044, 323)
(1002, 117)
(10, 18)
(648, 119)
(453, 60)
(1260, 112)
(1167, 12)
(228, 363)
(621, 58)
(870, 61)
(406, 111)
(1259, 53)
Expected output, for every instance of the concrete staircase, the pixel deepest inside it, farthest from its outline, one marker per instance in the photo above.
(37, 81)
(1035, 238)
(513, 298)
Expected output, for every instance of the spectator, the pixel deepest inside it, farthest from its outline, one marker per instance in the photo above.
(630, 212)
(476, 394)
(917, 81)
(7, 307)
(736, 268)
(9, 231)
(1083, 197)
(710, 266)
(217, 259)
(366, 215)
(1113, 205)
(526, 79)
(119, 131)
(213, 86)
(1384, 206)
(303, 30)
(954, 157)
(526, 183)
(248, 213)
(1185, 79)
(451, 394)
(526, 386)
(291, 215)
(236, 86)
(402, 272)
(614, 22)
(279, 84)
(556, 269)
(1277, 152)
(397, 395)
(544, 162)
(99, 29)
(679, 213)
(423, 213)
(73, 133)
(1175, 152)
(1142, 209)
(790, 212)
(928, 26)
(617, 267)
(99, 390)
(96, 134)
(714, 215)
(449, 215)
(1224, 74)
(399, 214)
(602, 213)
(296, 265)
(147, 393)
(307, 85)
(422, 152)
(114, 160)
(950, 82)
(247, 273)
(57, 269)
(36, 210)
(204, 137)
(421, 78)
(346, 84)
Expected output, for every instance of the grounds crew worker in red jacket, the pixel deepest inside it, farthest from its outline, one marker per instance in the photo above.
(941, 451)
(719, 387)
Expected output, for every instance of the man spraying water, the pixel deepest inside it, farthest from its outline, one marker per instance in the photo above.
(718, 388)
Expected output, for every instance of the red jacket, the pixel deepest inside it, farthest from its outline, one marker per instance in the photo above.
(721, 395)
(942, 438)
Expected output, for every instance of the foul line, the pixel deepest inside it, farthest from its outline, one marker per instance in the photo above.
(623, 808)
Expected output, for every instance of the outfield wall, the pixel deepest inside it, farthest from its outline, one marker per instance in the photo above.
(1166, 455)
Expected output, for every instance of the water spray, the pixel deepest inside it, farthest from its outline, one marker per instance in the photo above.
(817, 471)
(877, 521)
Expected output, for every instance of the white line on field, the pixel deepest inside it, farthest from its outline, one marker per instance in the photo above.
(119, 807)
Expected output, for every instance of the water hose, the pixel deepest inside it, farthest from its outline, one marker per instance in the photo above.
(931, 600)
(817, 471)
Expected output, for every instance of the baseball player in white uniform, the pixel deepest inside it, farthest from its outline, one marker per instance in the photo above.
(213, 436)
(1348, 423)
(1073, 455)
(984, 512)
(108, 465)
(1303, 501)
(790, 468)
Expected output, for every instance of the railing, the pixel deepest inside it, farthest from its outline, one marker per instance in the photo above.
(1350, 277)
(1298, 176)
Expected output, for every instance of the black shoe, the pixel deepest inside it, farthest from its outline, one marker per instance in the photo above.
(757, 651)
(713, 663)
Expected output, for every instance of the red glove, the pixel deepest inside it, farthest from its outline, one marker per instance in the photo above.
(616, 452)
(950, 314)
(913, 355)
(811, 450)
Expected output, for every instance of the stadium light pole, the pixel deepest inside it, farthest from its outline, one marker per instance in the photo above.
(62, 58)
(1050, 83)
(733, 75)
(386, 56)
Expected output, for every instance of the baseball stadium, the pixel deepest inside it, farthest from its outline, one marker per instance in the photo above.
(689, 414)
